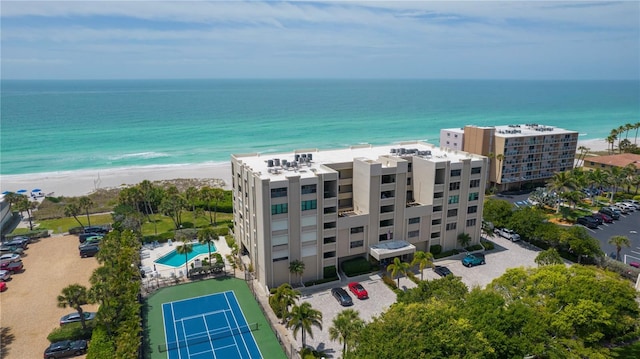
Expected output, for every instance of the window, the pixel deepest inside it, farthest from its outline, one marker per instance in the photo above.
(329, 254)
(437, 209)
(387, 194)
(454, 199)
(409, 167)
(435, 222)
(281, 259)
(438, 195)
(452, 212)
(356, 244)
(471, 222)
(386, 223)
(279, 208)
(473, 196)
(475, 170)
(387, 209)
(472, 209)
(329, 210)
(409, 181)
(330, 225)
(414, 220)
(435, 235)
(455, 173)
(308, 205)
(329, 240)
(454, 186)
(413, 234)
(474, 183)
(355, 230)
(388, 179)
(307, 189)
(278, 192)
(451, 226)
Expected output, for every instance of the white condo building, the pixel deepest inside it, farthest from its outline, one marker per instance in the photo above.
(378, 202)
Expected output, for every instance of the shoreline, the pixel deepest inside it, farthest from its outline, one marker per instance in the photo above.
(83, 182)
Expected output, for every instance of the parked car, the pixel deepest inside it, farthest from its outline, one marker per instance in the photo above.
(89, 251)
(357, 289)
(342, 297)
(473, 259)
(96, 229)
(90, 241)
(621, 208)
(9, 257)
(442, 271)
(65, 348)
(588, 222)
(3, 286)
(609, 212)
(5, 275)
(13, 267)
(635, 264)
(22, 242)
(624, 205)
(605, 218)
(82, 237)
(75, 317)
(632, 202)
(10, 249)
(508, 234)
(598, 220)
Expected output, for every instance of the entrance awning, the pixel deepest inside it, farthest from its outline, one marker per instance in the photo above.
(390, 249)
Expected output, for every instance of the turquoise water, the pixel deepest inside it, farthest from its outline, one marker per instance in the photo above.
(49, 126)
(173, 259)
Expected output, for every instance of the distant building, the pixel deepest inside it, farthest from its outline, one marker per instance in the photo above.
(375, 202)
(607, 162)
(520, 154)
(5, 213)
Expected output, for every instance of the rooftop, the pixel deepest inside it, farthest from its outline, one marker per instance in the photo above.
(309, 162)
(619, 160)
(520, 130)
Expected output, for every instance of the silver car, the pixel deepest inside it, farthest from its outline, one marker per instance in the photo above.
(5, 275)
(75, 317)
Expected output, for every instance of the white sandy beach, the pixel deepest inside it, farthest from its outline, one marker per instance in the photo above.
(78, 183)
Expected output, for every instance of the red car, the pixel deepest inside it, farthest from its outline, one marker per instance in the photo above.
(3, 286)
(13, 267)
(357, 289)
(603, 217)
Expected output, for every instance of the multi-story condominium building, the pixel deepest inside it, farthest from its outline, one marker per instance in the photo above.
(521, 155)
(376, 202)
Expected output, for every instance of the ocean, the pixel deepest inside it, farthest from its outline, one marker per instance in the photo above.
(49, 126)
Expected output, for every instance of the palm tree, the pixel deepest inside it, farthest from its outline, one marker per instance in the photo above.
(636, 126)
(284, 297)
(207, 235)
(23, 204)
(596, 179)
(561, 182)
(464, 239)
(72, 209)
(346, 325)
(397, 268)
(303, 317)
(74, 296)
(619, 241)
(86, 203)
(423, 260)
(616, 177)
(297, 268)
(185, 248)
(500, 158)
(583, 153)
(216, 195)
(191, 196)
(146, 190)
(611, 139)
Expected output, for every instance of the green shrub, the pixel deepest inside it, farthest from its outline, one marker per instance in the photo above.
(38, 233)
(101, 345)
(435, 249)
(223, 231)
(446, 254)
(488, 245)
(160, 238)
(330, 272)
(356, 266)
(76, 230)
(319, 281)
(71, 331)
(389, 282)
(475, 247)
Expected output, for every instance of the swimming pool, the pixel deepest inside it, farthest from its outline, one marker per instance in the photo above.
(173, 259)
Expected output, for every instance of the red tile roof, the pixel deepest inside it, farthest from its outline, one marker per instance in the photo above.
(620, 160)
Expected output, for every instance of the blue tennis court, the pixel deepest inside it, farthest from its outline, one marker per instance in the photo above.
(211, 326)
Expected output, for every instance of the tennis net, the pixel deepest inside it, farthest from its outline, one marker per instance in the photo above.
(207, 336)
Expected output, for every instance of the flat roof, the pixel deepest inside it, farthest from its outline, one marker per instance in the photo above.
(259, 163)
(520, 130)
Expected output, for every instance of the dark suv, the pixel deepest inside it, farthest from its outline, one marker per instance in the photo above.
(588, 222)
(89, 250)
(65, 348)
(342, 297)
(610, 213)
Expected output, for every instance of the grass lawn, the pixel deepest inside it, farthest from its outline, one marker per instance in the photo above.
(154, 329)
(61, 225)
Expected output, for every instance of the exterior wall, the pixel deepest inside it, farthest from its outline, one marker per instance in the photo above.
(359, 202)
(452, 138)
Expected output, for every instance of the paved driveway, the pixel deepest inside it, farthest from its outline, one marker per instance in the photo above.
(505, 255)
(628, 225)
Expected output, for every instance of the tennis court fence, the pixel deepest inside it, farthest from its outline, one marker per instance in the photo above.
(207, 336)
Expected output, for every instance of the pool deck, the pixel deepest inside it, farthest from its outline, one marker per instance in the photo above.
(149, 254)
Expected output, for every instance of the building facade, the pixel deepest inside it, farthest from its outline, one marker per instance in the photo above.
(520, 154)
(376, 202)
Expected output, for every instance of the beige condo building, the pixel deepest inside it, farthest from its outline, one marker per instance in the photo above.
(378, 202)
(520, 155)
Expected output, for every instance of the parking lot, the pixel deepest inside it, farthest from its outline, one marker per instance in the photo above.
(505, 255)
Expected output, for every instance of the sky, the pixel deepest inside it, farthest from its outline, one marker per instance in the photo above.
(534, 40)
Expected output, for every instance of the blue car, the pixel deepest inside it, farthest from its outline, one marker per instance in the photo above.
(473, 259)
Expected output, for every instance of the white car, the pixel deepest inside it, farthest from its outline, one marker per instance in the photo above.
(508, 234)
(625, 206)
(9, 257)
(5, 275)
(632, 202)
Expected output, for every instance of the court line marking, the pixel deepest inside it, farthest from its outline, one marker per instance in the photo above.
(200, 296)
(203, 314)
(164, 323)
(186, 343)
(238, 326)
(245, 320)
(175, 328)
(235, 341)
(206, 326)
